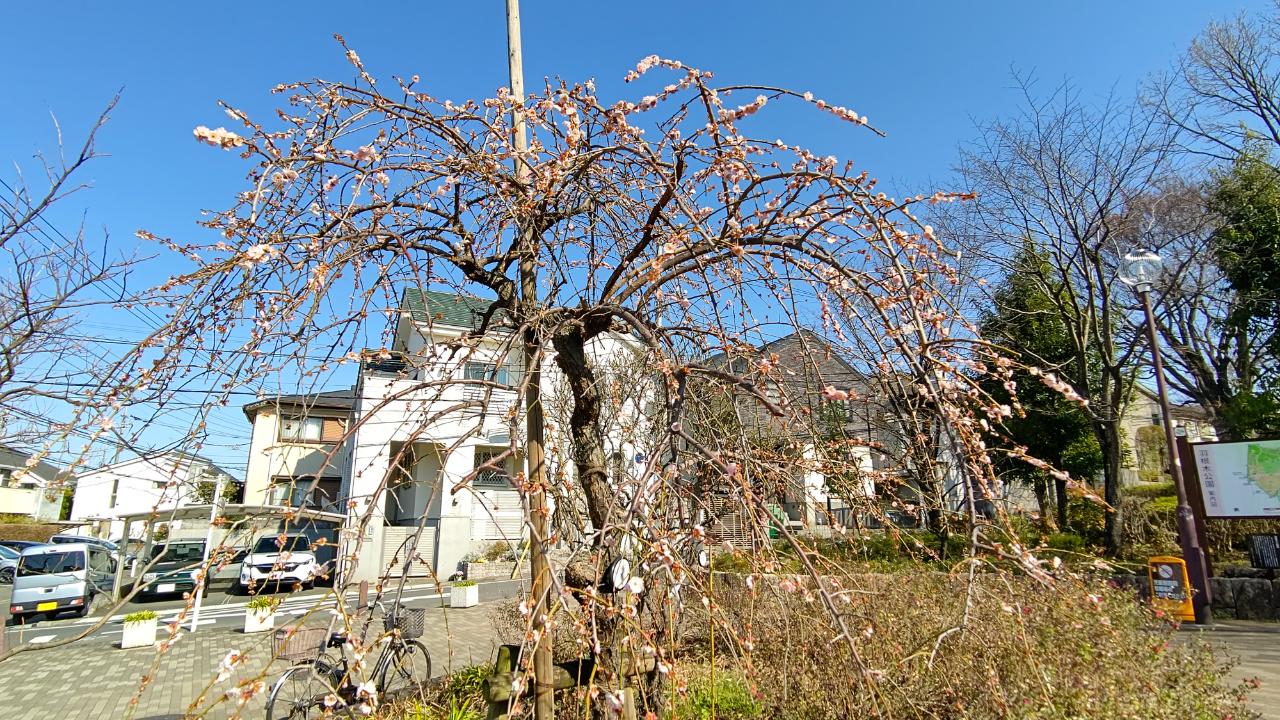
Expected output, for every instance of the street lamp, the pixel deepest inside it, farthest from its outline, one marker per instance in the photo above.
(1139, 269)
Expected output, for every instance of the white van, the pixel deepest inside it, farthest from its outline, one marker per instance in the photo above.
(75, 577)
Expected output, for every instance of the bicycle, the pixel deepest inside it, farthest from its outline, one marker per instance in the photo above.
(321, 686)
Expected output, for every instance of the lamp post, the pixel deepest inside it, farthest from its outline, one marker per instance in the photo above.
(1139, 269)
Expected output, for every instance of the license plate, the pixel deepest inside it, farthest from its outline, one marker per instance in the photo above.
(276, 576)
(46, 606)
(166, 587)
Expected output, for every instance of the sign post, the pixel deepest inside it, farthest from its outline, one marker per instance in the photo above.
(1170, 586)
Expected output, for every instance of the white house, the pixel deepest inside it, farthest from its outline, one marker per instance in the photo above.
(428, 413)
(151, 483)
(298, 450)
(33, 489)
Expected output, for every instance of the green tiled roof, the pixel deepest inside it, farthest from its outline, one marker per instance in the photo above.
(445, 308)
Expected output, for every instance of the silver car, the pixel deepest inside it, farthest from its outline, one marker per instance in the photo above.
(8, 564)
(75, 577)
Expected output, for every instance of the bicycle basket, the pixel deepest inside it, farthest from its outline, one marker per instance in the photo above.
(409, 621)
(299, 643)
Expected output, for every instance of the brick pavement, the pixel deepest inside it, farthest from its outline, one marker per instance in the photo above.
(93, 679)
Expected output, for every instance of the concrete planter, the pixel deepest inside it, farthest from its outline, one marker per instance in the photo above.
(139, 633)
(259, 620)
(465, 596)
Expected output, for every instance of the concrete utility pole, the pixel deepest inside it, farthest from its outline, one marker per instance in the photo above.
(544, 703)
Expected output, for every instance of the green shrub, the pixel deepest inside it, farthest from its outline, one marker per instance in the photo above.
(465, 583)
(731, 562)
(727, 698)
(1067, 541)
(1150, 490)
(263, 602)
(497, 551)
(140, 616)
(1087, 519)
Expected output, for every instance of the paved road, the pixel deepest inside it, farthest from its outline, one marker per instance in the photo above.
(219, 610)
(1256, 647)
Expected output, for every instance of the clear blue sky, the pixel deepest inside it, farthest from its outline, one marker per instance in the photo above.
(923, 72)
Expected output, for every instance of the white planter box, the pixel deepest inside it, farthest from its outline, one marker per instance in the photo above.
(139, 634)
(464, 597)
(259, 620)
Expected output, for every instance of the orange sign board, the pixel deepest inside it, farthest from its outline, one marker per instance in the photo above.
(1170, 586)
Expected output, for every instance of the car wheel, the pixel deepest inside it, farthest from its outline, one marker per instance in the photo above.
(6, 575)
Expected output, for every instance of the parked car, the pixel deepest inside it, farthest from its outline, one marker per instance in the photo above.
(77, 577)
(8, 564)
(19, 545)
(65, 539)
(173, 571)
(276, 559)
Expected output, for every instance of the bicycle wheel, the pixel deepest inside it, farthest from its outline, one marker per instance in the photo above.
(407, 672)
(300, 693)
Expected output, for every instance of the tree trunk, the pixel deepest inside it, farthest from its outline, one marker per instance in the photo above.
(1041, 489)
(593, 475)
(1060, 496)
(1108, 433)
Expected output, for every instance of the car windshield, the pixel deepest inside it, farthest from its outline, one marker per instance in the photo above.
(8, 553)
(179, 552)
(292, 543)
(50, 563)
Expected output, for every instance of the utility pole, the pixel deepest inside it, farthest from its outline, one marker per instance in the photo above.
(544, 701)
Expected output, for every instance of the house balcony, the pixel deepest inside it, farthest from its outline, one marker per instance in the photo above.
(403, 401)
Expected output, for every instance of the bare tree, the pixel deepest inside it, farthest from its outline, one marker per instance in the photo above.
(48, 280)
(1225, 90)
(1060, 176)
(1208, 358)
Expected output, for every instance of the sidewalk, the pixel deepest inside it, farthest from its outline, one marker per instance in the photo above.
(1256, 645)
(94, 680)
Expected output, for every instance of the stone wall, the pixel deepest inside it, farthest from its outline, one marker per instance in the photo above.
(1238, 594)
(495, 569)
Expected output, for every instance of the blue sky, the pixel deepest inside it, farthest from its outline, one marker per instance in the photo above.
(923, 72)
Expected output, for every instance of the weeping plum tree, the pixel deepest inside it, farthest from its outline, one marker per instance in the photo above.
(660, 219)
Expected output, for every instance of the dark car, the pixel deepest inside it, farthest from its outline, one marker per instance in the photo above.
(174, 568)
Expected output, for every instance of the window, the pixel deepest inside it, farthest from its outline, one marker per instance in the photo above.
(101, 561)
(311, 429)
(115, 492)
(485, 371)
(298, 492)
(6, 477)
(490, 477)
(291, 543)
(51, 563)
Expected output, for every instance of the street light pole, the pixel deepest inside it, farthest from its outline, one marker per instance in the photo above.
(1141, 269)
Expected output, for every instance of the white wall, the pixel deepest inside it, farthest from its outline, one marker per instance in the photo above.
(391, 410)
(141, 486)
